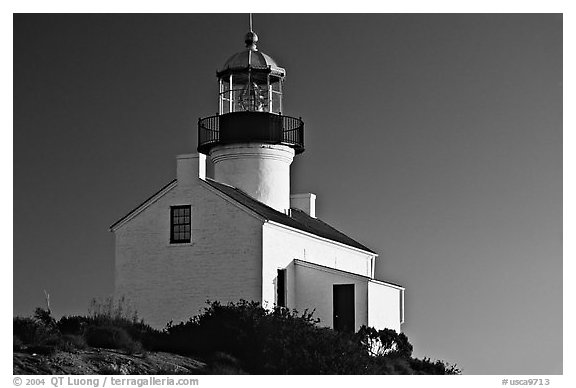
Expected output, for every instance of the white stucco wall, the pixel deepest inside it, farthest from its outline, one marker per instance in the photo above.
(314, 291)
(173, 281)
(385, 306)
(282, 245)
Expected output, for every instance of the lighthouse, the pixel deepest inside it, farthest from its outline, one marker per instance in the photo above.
(242, 233)
(250, 142)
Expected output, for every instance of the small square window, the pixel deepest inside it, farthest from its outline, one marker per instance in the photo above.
(180, 229)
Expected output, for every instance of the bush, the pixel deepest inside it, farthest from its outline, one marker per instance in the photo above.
(235, 338)
(35, 331)
(73, 325)
(384, 342)
(28, 330)
(224, 364)
(44, 318)
(109, 311)
(244, 336)
(17, 344)
(71, 342)
(111, 337)
(427, 367)
(267, 342)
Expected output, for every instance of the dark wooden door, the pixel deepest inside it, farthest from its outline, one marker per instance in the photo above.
(343, 307)
(281, 288)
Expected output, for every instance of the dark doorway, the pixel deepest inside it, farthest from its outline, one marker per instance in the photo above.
(343, 307)
(281, 288)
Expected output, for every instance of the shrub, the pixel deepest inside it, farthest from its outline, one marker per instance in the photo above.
(44, 318)
(71, 342)
(73, 325)
(267, 342)
(39, 334)
(109, 311)
(427, 367)
(244, 336)
(17, 344)
(224, 364)
(28, 330)
(384, 342)
(111, 337)
(233, 339)
(37, 330)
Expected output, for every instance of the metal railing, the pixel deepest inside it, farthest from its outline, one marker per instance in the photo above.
(267, 128)
(208, 131)
(293, 131)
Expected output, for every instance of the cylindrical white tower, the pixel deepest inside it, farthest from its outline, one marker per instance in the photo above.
(250, 142)
(260, 170)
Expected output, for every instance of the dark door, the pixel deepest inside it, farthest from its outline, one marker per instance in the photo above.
(343, 307)
(281, 288)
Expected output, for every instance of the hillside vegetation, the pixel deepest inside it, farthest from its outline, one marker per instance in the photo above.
(236, 338)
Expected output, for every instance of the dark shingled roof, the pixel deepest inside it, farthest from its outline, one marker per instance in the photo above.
(299, 219)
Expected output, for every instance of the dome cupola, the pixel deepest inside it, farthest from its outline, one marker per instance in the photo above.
(250, 81)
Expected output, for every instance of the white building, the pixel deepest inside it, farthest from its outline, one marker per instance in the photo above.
(242, 235)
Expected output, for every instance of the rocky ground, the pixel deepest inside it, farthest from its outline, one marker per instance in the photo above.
(104, 361)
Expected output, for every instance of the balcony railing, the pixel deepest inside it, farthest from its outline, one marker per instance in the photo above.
(250, 127)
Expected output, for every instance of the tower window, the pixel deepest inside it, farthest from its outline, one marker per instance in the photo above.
(180, 224)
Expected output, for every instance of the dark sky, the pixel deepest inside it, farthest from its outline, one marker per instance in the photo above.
(435, 140)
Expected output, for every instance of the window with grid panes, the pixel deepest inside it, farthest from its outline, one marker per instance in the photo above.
(180, 223)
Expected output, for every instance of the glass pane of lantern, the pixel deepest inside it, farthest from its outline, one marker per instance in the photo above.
(276, 102)
(223, 98)
(225, 85)
(260, 101)
(275, 85)
(238, 85)
(236, 100)
(250, 95)
(225, 107)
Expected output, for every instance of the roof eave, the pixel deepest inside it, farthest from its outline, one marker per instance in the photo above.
(231, 200)
(138, 209)
(278, 71)
(365, 251)
(347, 273)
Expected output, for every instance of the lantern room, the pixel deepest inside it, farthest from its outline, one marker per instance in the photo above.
(250, 107)
(250, 81)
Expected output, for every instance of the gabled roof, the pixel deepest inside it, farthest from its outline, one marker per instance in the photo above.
(298, 219)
